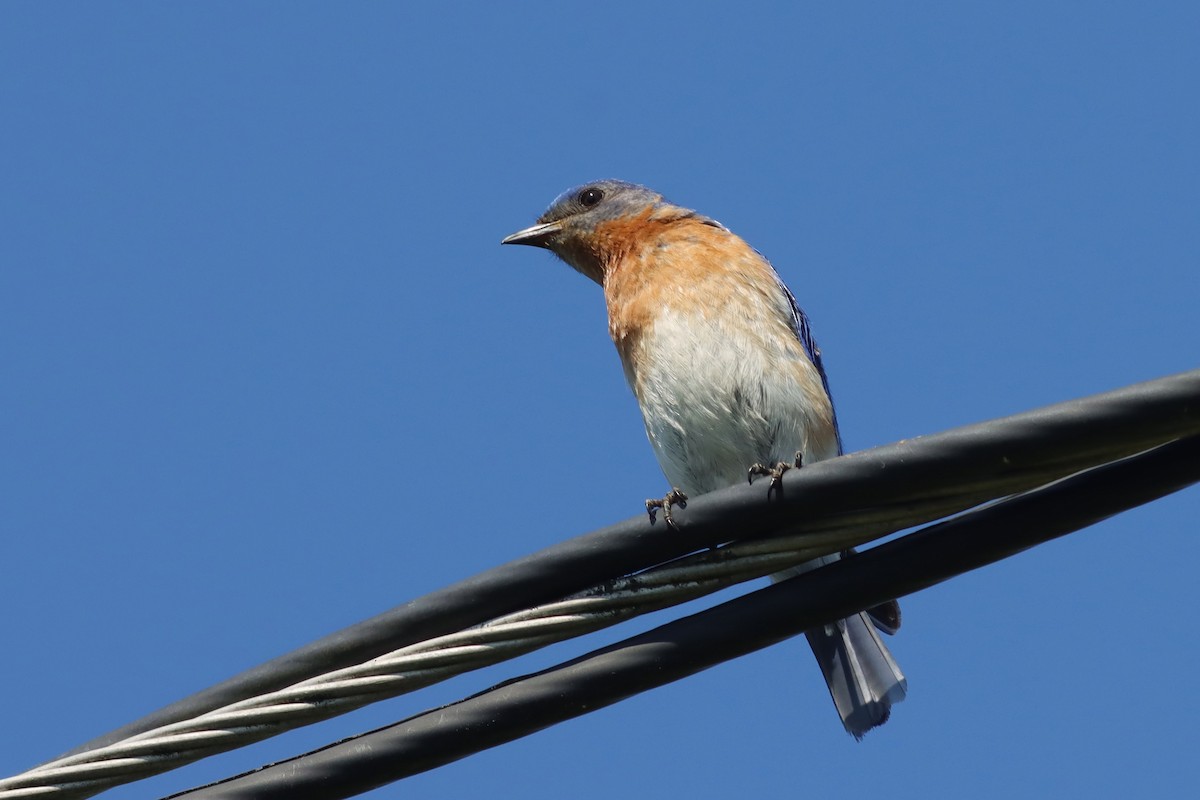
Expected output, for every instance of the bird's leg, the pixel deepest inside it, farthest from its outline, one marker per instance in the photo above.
(776, 472)
(672, 498)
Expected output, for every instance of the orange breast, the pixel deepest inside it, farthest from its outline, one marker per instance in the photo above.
(685, 264)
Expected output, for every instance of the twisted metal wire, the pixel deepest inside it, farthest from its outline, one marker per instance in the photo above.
(408, 669)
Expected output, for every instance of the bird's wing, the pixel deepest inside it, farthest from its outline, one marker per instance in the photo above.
(803, 332)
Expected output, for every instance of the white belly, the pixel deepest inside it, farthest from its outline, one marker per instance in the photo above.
(717, 398)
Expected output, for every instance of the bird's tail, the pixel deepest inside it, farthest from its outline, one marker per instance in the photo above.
(863, 678)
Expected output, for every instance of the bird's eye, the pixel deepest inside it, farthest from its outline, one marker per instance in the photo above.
(590, 196)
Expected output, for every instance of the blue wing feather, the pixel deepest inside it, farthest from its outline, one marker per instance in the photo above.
(803, 332)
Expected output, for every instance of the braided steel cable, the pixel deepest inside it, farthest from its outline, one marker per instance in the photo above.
(821, 508)
(416, 666)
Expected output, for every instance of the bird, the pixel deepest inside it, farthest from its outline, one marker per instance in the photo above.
(728, 377)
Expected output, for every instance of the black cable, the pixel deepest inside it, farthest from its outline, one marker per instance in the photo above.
(1010, 453)
(691, 644)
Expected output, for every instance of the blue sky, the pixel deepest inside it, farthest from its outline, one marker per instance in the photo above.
(257, 331)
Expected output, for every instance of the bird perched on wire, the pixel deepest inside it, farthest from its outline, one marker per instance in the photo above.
(728, 377)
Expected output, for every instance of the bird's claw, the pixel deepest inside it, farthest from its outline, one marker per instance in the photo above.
(673, 498)
(775, 472)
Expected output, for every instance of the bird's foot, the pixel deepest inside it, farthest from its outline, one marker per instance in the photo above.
(673, 498)
(775, 472)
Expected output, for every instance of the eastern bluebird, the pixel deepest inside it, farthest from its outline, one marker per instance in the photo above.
(728, 378)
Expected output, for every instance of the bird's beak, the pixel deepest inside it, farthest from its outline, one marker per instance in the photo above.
(536, 235)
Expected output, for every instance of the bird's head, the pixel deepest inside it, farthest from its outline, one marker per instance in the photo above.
(591, 226)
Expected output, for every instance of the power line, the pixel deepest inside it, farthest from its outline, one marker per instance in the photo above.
(824, 507)
(689, 645)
